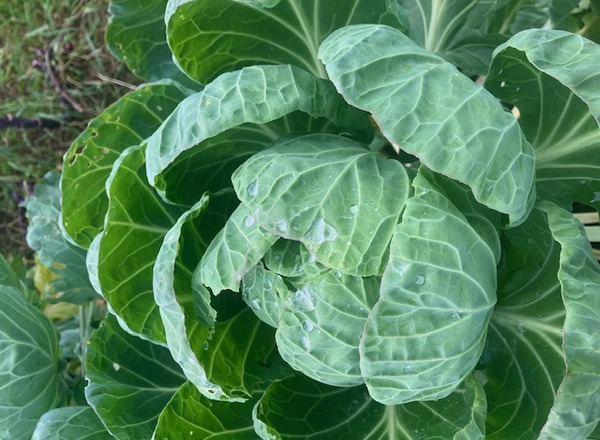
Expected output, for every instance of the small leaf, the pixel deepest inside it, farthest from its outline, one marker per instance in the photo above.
(338, 186)
(129, 380)
(190, 415)
(438, 281)
(301, 408)
(265, 293)
(71, 423)
(90, 158)
(28, 365)
(429, 109)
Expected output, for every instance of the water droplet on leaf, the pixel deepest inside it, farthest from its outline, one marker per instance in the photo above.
(308, 326)
(409, 369)
(281, 225)
(303, 300)
(420, 280)
(255, 304)
(455, 316)
(305, 342)
(249, 221)
(353, 210)
(252, 188)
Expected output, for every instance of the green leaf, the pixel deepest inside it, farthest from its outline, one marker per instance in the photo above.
(9, 278)
(213, 143)
(517, 15)
(522, 360)
(425, 106)
(90, 158)
(136, 224)
(576, 410)
(265, 292)
(317, 189)
(189, 415)
(438, 281)
(291, 259)
(552, 79)
(321, 325)
(210, 37)
(233, 252)
(560, 9)
(28, 365)
(129, 380)
(64, 260)
(136, 34)
(456, 30)
(300, 408)
(70, 423)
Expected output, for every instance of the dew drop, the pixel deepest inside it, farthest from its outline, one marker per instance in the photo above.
(521, 327)
(420, 280)
(455, 316)
(255, 304)
(305, 342)
(409, 369)
(205, 346)
(281, 225)
(268, 283)
(308, 326)
(320, 232)
(353, 210)
(252, 188)
(249, 221)
(303, 300)
(116, 366)
(338, 274)
(311, 258)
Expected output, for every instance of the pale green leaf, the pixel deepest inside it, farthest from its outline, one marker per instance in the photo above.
(136, 224)
(339, 199)
(70, 423)
(64, 260)
(300, 408)
(321, 325)
(440, 280)
(29, 356)
(233, 252)
(136, 34)
(265, 292)
(190, 415)
(523, 360)
(129, 380)
(552, 78)
(429, 109)
(88, 161)
(576, 410)
(210, 37)
(254, 95)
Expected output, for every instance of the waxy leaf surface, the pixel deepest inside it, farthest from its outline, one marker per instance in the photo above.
(70, 423)
(429, 109)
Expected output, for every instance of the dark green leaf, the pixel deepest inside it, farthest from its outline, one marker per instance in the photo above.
(440, 280)
(300, 408)
(523, 361)
(65, 261)
(576, 409)
(425, 106)
(226, 110)
(190, 415)
(318, 189)
(210, 37)
(29, 357)
(136, 224)
(292, 260)
(71, 423)
(136, 34)
(130, 380)
(552, 78)
(90, 158)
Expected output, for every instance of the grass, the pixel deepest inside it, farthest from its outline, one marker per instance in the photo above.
(54, 65)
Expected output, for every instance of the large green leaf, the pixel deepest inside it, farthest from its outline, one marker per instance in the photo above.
(129, 380)
(136, 224)
(439, 280)
(456, 30)
(70, 423)
(220, 125)
(330, 193)
(321, 325)
(29, 356)
(425, 106)
(210, 37)
(234, 251)
(136, 34)
(189, 415)
(89, 160)
(552, 78)
(64, 260)
(576, 409)
(523, 361)
(300, 408)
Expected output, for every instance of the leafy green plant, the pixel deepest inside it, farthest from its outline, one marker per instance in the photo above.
(347, 220)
